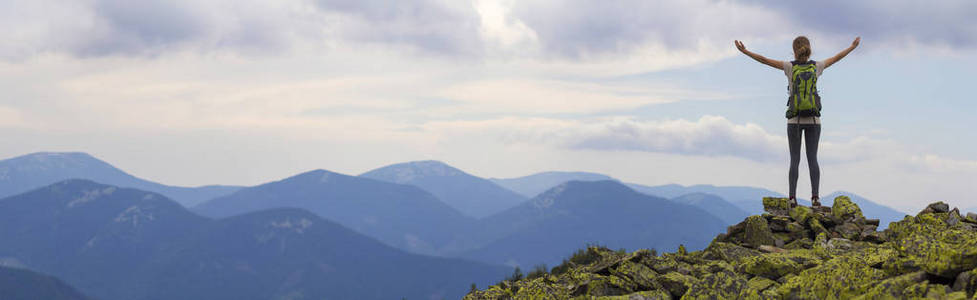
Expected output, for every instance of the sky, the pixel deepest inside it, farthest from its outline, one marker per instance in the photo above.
(653, 92)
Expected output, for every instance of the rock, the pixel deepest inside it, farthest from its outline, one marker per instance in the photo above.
(776, 206)
(936, 207)
(848, 230)
(971, 217)
(843, 210)
(934, 246)
(643, 295)
(720, 285)
(816, 226)
(610, 286)
(841, 277)
(757, 232)
(779, 223)
(800, 214)
(760, 283)
(872, 237)
(769, 266)
(932, 254)
(966, 281)
(840, 244)
(676, 284)
(728, 252)
(894, 288)
(822, 209)
(804, 243)
(797, 231)
(640, 274)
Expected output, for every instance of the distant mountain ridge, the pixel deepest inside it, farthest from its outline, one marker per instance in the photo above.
(575, 213)
(119, 243)
(35, 170)
(729, 213)
(403, 216)
(471, 195)
(534, 184)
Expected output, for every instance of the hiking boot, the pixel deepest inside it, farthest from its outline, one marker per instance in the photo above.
(815, 201)
(793, 202)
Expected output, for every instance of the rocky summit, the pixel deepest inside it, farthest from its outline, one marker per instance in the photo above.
(786, 253)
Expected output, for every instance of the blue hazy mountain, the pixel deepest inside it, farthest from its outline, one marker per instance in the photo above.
(90, 235)
(31, 171)
(473, 196)
(19, 284)
(869, 208)
(744, 197)
(576, 213)
(540, 182)
(118, 243)
(715, 205)
(290, 253)
(403, 216)
(532, 185)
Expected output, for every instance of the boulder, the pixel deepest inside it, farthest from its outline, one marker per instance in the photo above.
(769, 266)
(676, 284)
(843, 210)
(776, 206)
(757, 232)
(800, 214)
(936, 207)
(719, 285)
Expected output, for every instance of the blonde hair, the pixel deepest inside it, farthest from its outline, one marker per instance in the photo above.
(802, 48)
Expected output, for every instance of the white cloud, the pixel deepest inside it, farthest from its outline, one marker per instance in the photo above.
(499, 26)
(10, 117)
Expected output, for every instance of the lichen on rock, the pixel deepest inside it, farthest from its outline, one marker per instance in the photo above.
(792, 253)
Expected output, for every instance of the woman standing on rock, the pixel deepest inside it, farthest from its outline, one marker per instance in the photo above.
(803, 107)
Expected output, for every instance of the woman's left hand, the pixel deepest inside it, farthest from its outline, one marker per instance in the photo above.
(740, 46)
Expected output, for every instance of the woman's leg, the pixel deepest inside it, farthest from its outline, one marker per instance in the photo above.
(812, 133)
(794, 143)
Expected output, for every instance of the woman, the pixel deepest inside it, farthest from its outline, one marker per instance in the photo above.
(803, 107)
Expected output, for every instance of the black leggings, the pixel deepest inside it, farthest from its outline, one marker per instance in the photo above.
(812, 132)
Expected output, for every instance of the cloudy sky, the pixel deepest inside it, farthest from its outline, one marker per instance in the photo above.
(246, 91)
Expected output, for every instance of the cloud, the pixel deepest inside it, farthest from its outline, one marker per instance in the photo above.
(598, 29)
(898, 23)
(580, 37)
(711, 136)
(708, 136)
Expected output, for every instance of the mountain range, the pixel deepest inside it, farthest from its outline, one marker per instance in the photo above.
(403, 216)
(473, 196)
(121, 243)
(743, 198)
(576, 213)
(532, 185)
(31, 171)
(405, 211)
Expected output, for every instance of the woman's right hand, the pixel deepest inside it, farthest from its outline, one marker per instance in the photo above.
(856, 41)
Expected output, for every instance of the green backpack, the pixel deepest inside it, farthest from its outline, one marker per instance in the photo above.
(804, 100)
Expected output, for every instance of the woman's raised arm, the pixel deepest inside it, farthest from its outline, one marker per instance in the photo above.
(776, 64)
(832, 60)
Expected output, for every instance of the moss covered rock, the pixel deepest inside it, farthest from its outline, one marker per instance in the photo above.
(757, 232)
(719, 285)
(776, 206)
(843, 210)
(771, 266)
(831, 254)
(935, 246)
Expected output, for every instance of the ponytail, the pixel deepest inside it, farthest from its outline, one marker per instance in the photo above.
(802, 48)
